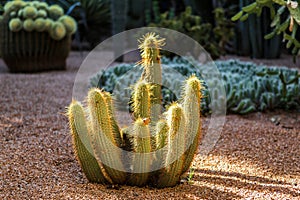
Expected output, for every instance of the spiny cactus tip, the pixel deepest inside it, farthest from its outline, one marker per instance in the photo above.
(151, 40)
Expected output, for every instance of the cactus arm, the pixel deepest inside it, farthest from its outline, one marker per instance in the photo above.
(176, 145)
(102, 137)
(191, 106)
(79, 132)
(141, 163)
(141, 100)
(152, 74)
(115, 127)
(162, 129)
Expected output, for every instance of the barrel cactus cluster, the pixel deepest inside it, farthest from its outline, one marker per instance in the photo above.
(37, 34)
(157, 149)
(249, 87)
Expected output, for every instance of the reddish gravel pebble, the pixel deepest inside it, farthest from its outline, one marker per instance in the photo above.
(253, 159)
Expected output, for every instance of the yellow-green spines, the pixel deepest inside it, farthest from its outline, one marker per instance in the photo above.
(150, 46)
(28, 25)
(102, 137)
(13, 14)
(15, 25)
(115, 127)
(176, 145)
(39, 25)
(69, 23)
(20, 13)
(141, 161)
(42, 5)
(34, 3)
(141, 100)
(40, 17)
(30, 12)
(161, 135)
(8, 6)
(13, 6)
(48, 24)
(82, 147)
(42, 13)
(58, 31)
(56, 11)
(191, 105)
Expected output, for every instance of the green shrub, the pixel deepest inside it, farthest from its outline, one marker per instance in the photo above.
(212, 38)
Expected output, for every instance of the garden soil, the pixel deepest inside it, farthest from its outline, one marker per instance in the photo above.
(256, 157)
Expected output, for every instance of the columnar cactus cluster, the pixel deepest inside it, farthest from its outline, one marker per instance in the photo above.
(38, 16)
(157, 149)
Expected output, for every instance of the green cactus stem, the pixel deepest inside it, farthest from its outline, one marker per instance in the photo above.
(162, 129)
(141, 100)
(150, 46)
(84, 155)
(141, 146)
(103, 137)
(176, 146)
(191, 106)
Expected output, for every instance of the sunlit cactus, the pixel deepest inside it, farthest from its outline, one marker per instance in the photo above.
(158, 148)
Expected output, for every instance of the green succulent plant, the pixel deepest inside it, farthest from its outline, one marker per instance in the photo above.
(38, 35)
(34, 17)
(245, 84)
(212, 38)
(15, 25)
(281, 24)
(169, 140)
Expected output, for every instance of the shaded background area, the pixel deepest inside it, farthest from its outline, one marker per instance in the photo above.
(209, 23)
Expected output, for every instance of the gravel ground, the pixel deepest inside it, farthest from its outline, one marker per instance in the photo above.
(253, 159)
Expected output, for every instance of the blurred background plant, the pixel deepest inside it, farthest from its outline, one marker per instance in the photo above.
(213, 37)
(207, 21)
(249, 87)
(93, 18)
(283, 18)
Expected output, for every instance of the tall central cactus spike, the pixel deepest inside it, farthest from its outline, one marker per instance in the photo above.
(141, 164)
(141, 100)
(176, 145)
(191, 106)
(103, 139)
(84, 155)
(150, 46)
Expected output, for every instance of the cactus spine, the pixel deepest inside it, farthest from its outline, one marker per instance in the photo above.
(167, 140)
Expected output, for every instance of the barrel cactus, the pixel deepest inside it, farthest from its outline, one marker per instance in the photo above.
(157, 149)
(35, 36)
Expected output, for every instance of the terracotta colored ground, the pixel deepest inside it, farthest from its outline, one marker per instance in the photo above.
(253, 159)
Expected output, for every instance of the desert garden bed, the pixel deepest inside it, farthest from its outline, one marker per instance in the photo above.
(256, 157)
